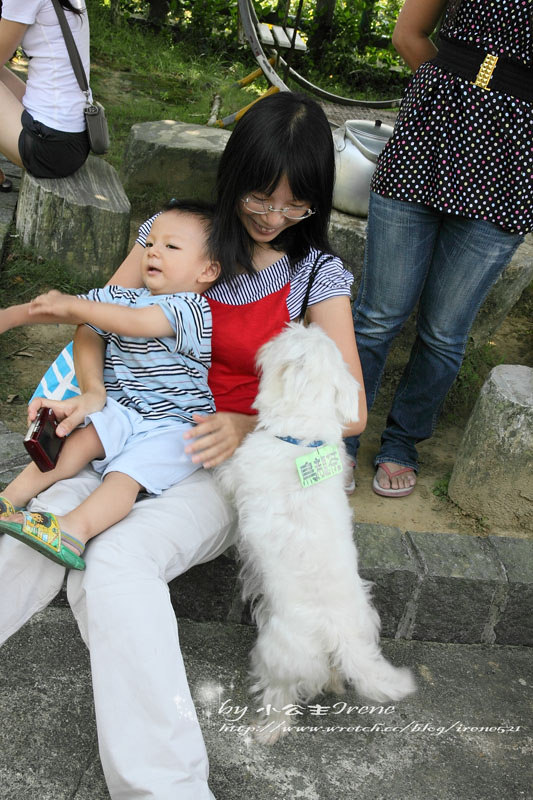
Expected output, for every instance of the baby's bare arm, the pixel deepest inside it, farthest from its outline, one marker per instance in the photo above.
(54, 306)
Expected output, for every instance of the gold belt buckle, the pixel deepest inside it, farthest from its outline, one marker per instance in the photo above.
(485, 72)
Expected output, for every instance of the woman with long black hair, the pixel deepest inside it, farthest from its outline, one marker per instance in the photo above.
(274, 192)
(42, 125)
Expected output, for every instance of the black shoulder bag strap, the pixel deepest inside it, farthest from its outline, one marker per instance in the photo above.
(312, 275)
(73, 52)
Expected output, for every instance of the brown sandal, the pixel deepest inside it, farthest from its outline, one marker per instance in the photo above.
(392, 474)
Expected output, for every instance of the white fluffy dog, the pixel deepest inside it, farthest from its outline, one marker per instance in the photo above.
(316, 624)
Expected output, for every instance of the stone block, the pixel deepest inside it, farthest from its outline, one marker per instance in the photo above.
(384, 559)
(347, 235)
(504, 294)
(173, 159)
(13, 456)
(515, 623)
(463, 580)
(8, 200)
(82, 220)
(207, 591)
(491, 477)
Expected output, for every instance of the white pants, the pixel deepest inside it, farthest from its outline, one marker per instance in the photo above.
(150, 741)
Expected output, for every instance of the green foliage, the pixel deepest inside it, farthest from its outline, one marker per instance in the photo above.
(440, 487)
(141, 74)
(210, 24)
(472, 375)
(359, 34)
(25, 275)
(358, 48)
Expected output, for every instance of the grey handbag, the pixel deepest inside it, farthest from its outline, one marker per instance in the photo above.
(95, 119)
(358, 144)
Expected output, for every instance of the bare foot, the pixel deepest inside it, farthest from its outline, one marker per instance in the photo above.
(394, 480)
(16, 517)
(403, 481)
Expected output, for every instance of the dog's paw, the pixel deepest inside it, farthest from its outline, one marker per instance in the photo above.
(386, 683)
(271, 731)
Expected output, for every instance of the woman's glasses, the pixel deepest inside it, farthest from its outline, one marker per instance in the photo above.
(256, 206)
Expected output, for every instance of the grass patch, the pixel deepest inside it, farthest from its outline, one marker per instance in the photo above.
(472, 375)
(25, 276)
(440, 487)
(140, 75)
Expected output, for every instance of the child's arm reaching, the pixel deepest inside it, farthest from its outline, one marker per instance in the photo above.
(55, 307)
(14, 316)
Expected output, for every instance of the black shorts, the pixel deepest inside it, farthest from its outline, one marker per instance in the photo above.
(47, 153)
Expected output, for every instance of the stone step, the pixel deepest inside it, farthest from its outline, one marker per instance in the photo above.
(440, 587)
(13, 456)
(463, 734)
(443, 587)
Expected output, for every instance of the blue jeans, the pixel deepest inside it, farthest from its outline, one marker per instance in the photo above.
(447, 263)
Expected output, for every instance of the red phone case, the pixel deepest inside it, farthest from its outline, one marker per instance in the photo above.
(42, 442)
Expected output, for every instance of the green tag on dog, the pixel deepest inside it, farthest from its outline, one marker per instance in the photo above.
(318, 466)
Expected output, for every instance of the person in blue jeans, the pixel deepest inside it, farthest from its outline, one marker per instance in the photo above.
(451, 201)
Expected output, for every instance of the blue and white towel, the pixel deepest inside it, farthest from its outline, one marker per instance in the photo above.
(59, 381)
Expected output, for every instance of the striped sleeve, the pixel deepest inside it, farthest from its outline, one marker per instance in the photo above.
(145, 229)
(330, 280)
(190, 317)
(109, 294)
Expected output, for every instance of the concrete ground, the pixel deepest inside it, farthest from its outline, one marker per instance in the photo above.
(465, 734)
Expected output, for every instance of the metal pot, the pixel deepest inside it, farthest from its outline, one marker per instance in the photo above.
(358, 144)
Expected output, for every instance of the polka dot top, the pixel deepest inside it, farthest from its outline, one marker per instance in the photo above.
(460, 149)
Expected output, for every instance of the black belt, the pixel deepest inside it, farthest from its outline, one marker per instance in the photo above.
(486, 70)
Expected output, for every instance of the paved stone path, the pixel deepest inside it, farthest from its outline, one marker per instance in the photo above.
(465, 734)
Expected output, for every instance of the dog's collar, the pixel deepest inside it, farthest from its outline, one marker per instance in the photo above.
(292, 440)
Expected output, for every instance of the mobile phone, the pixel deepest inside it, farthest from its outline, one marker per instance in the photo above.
(42, 442)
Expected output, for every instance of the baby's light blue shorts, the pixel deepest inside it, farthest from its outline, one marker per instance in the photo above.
(149, 451)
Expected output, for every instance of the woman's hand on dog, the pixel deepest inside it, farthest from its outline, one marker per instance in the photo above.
(217, 436)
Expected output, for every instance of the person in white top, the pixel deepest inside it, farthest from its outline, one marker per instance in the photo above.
(42, 125)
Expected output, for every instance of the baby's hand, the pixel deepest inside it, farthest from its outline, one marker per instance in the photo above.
(53, 303)
(70, 413)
